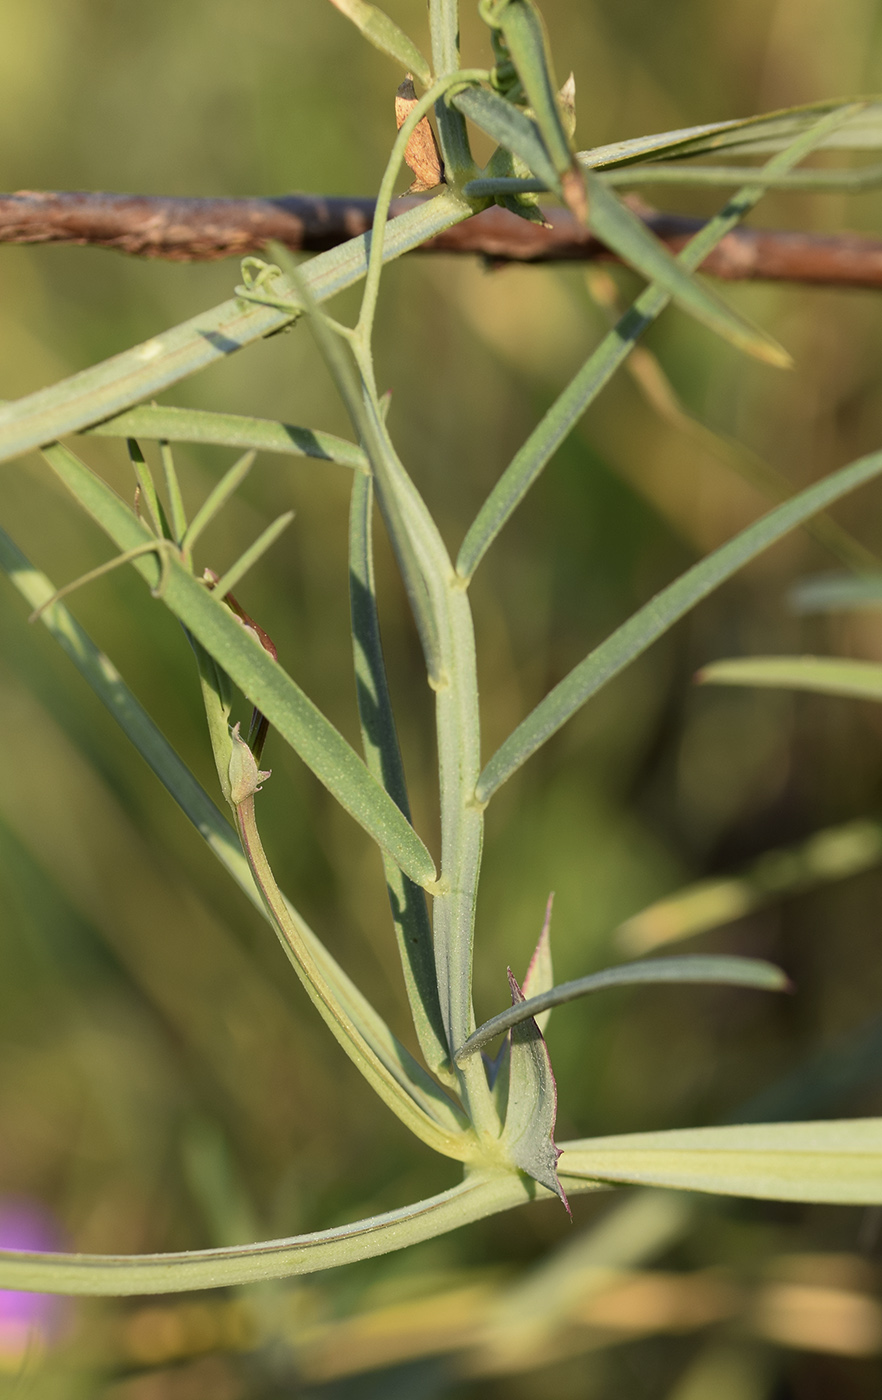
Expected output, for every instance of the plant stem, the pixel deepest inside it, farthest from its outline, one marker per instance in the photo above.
(452, 134)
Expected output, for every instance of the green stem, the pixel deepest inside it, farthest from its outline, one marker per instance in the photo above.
(387, 188)
(117, 1275)
(459, 165)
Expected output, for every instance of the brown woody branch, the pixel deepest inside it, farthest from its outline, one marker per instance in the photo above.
(186, 230)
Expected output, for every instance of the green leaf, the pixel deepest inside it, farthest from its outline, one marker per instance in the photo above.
(736, 972)
(511, 129)
(236, 572)
(528, 1135)
(217, 499)
(601, 365)
(116, 384)
(832, 854)
(838, 1162)
(773, 131)
(228, 430)
(260, 678)
(410, 916)
(660, 613)
(861, 680)
(540, 973)
(837, 593)
(621, 230)
(384, 34)
(101, 675)
(525, 45)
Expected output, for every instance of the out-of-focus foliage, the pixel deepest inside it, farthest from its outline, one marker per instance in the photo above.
(163, 1081)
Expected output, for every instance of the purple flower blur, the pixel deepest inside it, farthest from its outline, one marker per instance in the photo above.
(28, 1320)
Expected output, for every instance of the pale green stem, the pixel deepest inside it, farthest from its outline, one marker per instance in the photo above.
(387, 189)
(452, 133)
(457, 713)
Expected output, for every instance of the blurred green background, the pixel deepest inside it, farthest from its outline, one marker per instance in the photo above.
(164, 1083)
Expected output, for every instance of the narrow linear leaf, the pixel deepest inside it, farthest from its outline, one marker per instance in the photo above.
(511, 129)
(773, 131)
(384, 34)
(94, 394)
(173, 491)
(621, 230)
(410, 915)
(838, 1162)
(228, 430)
(861, 680)
(833, 854)
(736, 972)
(228, 581)
(103, 678)
(460, 1142)
(261, 679)
(217, 498)
(850, 181)
(529, 462)
(540, 973)
(660, 613)
(836, 593)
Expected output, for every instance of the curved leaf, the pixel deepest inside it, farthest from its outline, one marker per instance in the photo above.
(738, 972)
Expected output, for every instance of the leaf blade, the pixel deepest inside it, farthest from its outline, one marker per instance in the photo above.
(160, 421)
(729, 971)
(652, 620)
(265, 683)
(837, 1162)
(621, 230)
(859, 680)
(385, 35)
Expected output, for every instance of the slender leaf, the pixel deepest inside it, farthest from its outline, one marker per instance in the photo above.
(101, 675)
(263, 680)
(228, 430)
(736, 972)
(217, 499)
(236, 572)
(511, 129)
(527, 43)
(383, 758)
(861, 680)
(621, 230)
(837, 593)
(832, 854)
(173, 491)
(602, 364)
(849, 181)
(839, 1162)
(459, 1141)
(540, 973)
(660, 613)
(384, 34)
(116, 384)
(773, 131)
